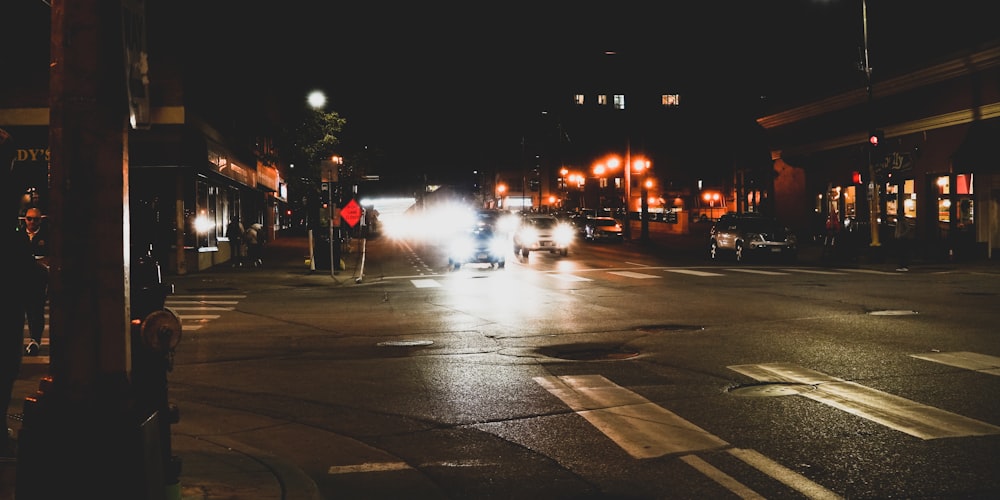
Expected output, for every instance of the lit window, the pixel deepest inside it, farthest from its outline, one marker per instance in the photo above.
(602, 100)
(619, 101)
(578, 99)
(671, 99)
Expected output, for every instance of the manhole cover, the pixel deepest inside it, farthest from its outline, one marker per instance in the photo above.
(404, 343)
(893, 312)
(766, 390)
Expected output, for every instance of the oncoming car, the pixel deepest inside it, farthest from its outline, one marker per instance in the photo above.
(543, 233)
(480, 245)
(746, 235)
(603, 229)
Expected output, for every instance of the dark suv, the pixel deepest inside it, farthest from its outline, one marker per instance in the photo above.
(745, 235)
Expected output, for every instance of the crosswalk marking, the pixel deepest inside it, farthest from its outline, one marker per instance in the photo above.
(758, 271)
(968, 360)
(646, 430)
(425, 283)
(630, 274)
(915, 419)
(641, 428)
(693, 272)
(869, 271)
(813, 271)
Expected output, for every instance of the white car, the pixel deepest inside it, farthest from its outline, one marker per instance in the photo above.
(543, 233)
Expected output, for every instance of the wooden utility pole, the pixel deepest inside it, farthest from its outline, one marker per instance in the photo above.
(79, 436)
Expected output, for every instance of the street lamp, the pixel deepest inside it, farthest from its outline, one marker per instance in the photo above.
(873, 200)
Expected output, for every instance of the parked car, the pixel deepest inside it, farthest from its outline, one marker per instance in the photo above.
(542, 232)
(603, 229)
(751, 235)
(480, 245)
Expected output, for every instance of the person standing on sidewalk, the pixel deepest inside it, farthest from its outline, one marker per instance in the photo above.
(37, 288)
(905, 234)
(255, 245)
(17, 266)
(234, 231)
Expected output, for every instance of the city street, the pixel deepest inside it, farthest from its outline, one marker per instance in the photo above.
(618, 371)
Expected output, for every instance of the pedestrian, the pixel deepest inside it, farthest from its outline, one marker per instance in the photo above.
(830, 239)
(17, 266)
(37, 288)
(255, 244)
(905, 234)
(235, 232)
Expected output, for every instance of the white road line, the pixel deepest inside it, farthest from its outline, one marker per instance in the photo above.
(630, 274)
(967, 360)
(692, 272)
(813, 271)
(758, 271)
(868, 271)
(195, 317)
(569, 277)
(723, 479)
(199, 308)
(425, 283)
(915, 419)
(641, 428)
(787, 476)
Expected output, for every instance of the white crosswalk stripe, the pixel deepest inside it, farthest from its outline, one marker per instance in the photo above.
(645, 273)
(630, 274)
(195, 310)
(694, 272)
(910, 417)
(982, 363)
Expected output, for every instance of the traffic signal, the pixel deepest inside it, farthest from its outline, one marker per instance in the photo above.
(875, 138)
(324, 194)
(856, 177)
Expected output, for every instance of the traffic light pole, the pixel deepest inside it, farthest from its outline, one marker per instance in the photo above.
(873, 199)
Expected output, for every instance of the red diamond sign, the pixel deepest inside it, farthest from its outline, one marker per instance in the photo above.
(351, 213)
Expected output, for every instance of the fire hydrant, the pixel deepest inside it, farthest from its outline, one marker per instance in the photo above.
(155, 333)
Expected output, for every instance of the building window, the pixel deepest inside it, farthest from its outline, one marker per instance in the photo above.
(619, 101)
(670, 100)
(578, 99)
(602, 99)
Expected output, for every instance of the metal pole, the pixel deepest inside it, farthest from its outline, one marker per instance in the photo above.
(873, 200)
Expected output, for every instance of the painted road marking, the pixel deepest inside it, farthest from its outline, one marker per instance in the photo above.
(646, 430)
(570, 277)
(641, 428)
(758, 271)
(630, 274)
(693, 272)
(915, 419)
(783, 474)
(813, 271)
(425, 283)
(967, 360)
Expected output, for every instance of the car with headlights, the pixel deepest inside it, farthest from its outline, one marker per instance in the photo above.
(744, 236)
(543, 233)
(479, 245)
(603, 229)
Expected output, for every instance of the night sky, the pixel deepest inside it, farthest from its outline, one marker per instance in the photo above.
(448, 86)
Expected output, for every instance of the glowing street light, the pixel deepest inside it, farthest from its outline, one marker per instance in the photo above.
(316, 99)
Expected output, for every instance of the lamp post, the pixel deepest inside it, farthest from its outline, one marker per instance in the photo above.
(873, 200)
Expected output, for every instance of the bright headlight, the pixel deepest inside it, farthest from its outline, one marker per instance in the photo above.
(563, 234)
